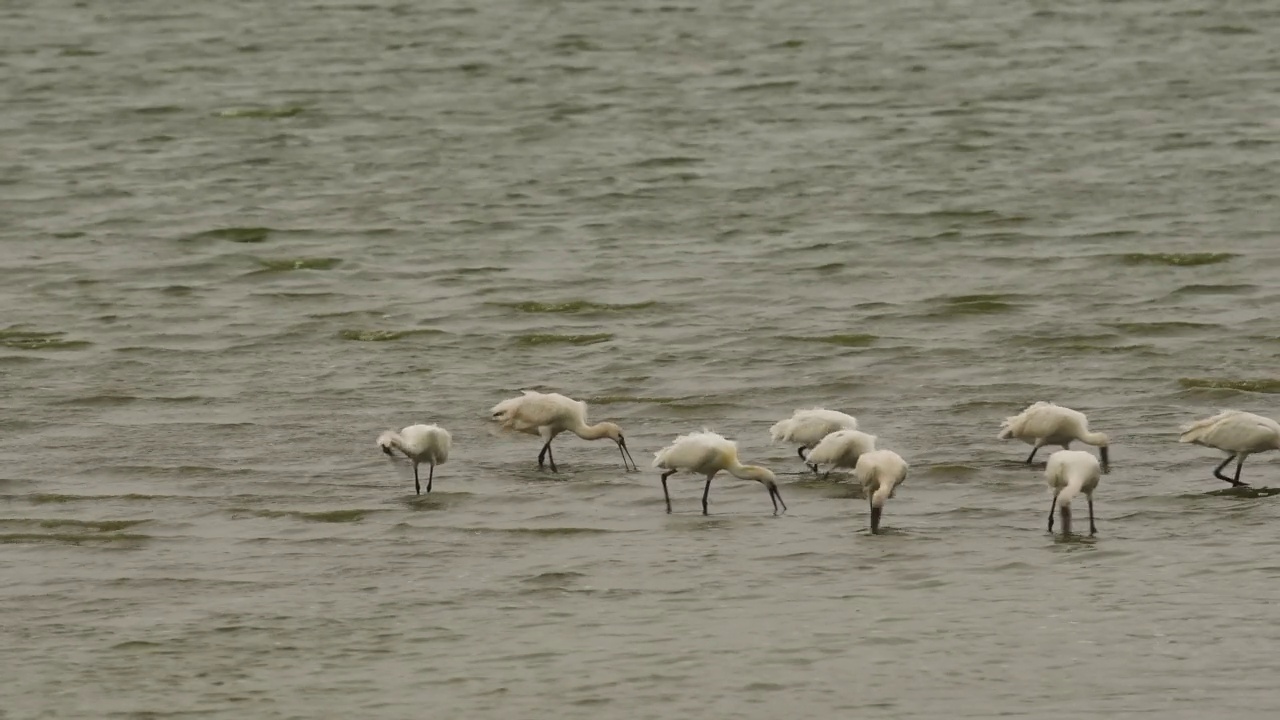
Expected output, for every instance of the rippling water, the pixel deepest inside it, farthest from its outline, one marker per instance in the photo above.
(241, 239)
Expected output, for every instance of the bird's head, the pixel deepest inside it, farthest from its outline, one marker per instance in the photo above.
(386, 441)
(614, 433)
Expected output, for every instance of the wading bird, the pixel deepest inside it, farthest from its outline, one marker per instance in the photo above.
(421, 444)
(1239, 434)
(549, 414)
(881, 472)
(841, 449)
(707, 453)
(1071, 472)
(806, 428)
(1047, 424)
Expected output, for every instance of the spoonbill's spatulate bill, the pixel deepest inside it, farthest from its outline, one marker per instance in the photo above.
(841, 449)
(880, 472)
(421, 444)
(707, 453)
(1239, 434)
(806, 428)
(1071, 472)
(549, 414)
(1047, 424)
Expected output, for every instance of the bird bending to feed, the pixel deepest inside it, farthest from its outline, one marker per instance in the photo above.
(1047, 424)
(880, 472)
(1239, 434)
(841, 449)
(1071, 472)
(806, 428)
(549, 414)
(707, 453)
(421, 444)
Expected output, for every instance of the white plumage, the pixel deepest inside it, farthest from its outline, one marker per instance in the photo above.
(841, 449)
(1237, 433)
(1047, 424)
(419, 443)
(807, 428)
(1071, 472)
(549, 414)
(880, 472)
(707, 453)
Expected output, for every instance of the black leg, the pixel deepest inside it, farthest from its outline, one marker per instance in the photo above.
(543, 454)
(1239, 464)
(814, 468)
(666, 494)
(1052, 506)
(777, 498)
(1093, 529)
(416, 487)
(825, 475)
(1217, 472)
(705, 492)
(1032, 456)
(551, 459)
(430, 475)
(801, 453)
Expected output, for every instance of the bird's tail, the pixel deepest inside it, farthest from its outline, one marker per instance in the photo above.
(1006, 430)
(1196, 430)
(779, 429)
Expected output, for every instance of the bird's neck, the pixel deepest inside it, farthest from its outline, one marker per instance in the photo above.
(589, 432)
(1093, 438)
(746, 472)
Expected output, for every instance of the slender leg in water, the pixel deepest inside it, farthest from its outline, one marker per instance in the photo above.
(1032, 456)
(665, 494)
(1052, 505)
(430, 475)
(546, 450)
(1093, 529)
(1217, 472)
(705, 492)
(416, 487)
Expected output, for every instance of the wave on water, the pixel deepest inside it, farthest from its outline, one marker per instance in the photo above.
(262, 113)
(1175, 259)
(1170, 327)
(982, 304)
(19, 337)
(574, 306)
(291, 264)
(323, 516)
(1265, 385)
(856, 340)
(358, 335)
(534, 339)
(235, 234)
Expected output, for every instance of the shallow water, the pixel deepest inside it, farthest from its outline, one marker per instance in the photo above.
(239, 240)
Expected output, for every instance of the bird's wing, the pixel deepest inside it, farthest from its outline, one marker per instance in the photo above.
(534, 410)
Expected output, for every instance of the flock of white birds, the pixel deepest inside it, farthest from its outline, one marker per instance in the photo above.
(831, 440)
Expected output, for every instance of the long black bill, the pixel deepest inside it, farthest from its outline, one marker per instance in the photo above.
(626, 455)
(875, 519)
(1106, 463)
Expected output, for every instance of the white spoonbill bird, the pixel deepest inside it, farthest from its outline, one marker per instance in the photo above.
(549, 414)
(421, 444)
(1071, 472)
(707, 453)
(881, 472)
(1239, 434)
(806, 428)
(1047, 424)
(841, 449)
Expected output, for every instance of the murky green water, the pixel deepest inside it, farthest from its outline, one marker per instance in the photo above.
(241, 239)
